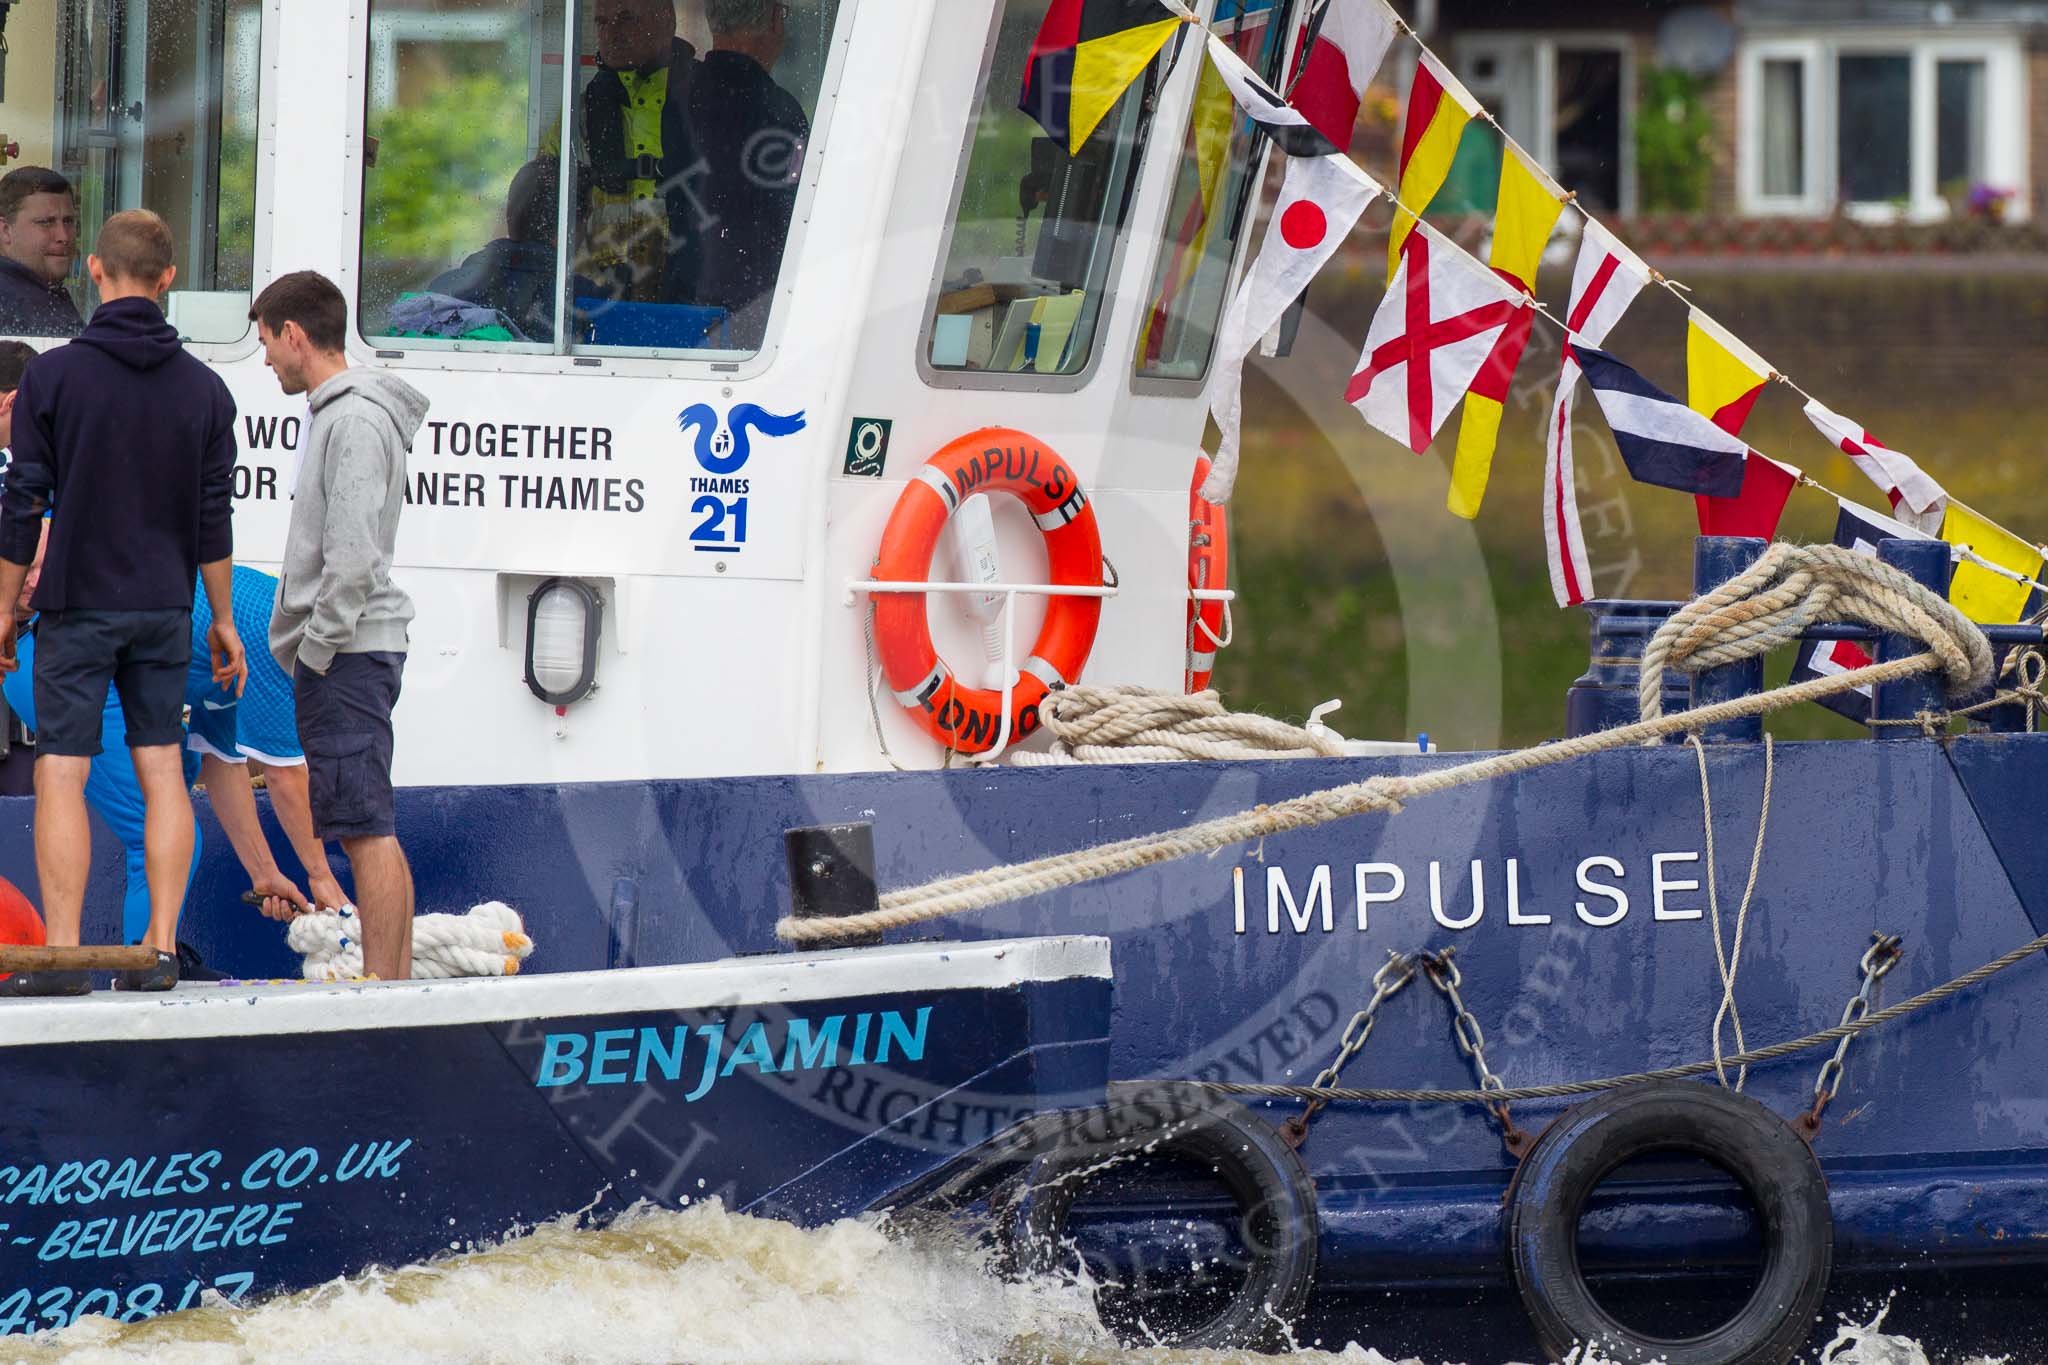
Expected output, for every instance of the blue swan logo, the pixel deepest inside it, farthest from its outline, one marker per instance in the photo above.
(723, 447)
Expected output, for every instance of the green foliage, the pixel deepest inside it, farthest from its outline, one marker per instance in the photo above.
(236, 249)
(1674, 142)
(443, 163)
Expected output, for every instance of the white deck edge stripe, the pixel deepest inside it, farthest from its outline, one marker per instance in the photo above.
(209, 1011)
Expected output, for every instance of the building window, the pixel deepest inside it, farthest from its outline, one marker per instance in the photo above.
(1873, 127)
(1209, 209)
(1883, 125)
(148, 105)
(658, 226)
(1034, 230)
(1959, 126)
(1784, 129)
(1568, 98)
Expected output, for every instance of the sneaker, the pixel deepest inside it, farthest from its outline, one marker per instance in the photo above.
(161, 977)
(192, 967)
(46, 983)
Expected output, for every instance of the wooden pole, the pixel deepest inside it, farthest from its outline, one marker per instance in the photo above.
(92, 958)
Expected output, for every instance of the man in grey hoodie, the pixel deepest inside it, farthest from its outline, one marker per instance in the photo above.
(339, 623)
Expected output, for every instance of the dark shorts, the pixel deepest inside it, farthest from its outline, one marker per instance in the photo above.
(143, 654)
(345, 729)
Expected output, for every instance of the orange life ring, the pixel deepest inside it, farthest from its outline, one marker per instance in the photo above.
(994, 459)
(1208, 567)
(20, 925)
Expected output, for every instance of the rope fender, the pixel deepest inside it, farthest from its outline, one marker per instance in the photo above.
(490, 940)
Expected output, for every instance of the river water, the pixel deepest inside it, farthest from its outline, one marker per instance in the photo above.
(701, 1286)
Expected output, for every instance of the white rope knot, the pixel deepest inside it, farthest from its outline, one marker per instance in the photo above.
(1129, 724)
(490, 940)
(1794, 587)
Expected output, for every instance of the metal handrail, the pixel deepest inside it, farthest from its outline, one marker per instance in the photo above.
(1009, 592)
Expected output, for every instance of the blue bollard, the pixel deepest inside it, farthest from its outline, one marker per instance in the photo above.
(1605, 697)
(1715, 560)
(1926, 562)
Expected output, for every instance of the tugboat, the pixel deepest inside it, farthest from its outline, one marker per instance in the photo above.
(672, 528)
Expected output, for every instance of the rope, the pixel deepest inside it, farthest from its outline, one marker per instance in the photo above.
(1570, 1089)
(1791, 588)
(490, 940)
(1127, 724)
(1886, 597)
(1730, 963)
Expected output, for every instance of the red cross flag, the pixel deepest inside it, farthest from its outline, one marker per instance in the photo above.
(1319, 202)
(1433, 332)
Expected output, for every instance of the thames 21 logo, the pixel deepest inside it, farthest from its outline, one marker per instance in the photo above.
(723, 448)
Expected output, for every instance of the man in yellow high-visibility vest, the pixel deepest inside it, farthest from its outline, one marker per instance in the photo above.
(637, 156)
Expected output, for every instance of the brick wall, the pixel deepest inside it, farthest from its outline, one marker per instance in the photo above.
(1721, 106)
(2037, 123)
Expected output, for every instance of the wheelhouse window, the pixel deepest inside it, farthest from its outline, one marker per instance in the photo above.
(136, 104)
(1922, 126)
(1034, 228)
(1210, 198)
(657, 226)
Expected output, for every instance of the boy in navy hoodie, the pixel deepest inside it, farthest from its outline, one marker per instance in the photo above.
(128, 443)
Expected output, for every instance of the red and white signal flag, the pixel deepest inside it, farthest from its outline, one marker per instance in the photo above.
(1320, 201)
(1606, 281)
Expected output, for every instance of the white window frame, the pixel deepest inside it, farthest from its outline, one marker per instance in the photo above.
(431, 353)
(1541, 141)
(2005, 122)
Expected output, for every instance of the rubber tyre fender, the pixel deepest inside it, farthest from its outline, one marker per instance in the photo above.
(1586, 1144)
(1262, 1174)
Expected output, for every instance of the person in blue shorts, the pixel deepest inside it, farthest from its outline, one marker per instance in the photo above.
(260, 727)
(224, 734)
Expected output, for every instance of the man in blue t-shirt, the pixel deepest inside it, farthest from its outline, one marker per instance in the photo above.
(261, 726)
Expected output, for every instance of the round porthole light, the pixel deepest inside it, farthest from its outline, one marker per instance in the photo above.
(562, 620)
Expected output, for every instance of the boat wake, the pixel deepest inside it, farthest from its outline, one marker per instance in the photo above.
(702, 1285)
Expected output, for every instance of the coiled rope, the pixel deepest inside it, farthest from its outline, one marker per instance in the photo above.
(1792, 588)
(1800, 584)
(490, 940)
(1126, 724)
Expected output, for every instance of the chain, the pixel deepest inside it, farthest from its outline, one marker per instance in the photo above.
(1390, 978)
(1882, 955)
(1444, 975)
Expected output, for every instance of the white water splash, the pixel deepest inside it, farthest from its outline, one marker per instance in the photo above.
(702, 1286)
(1864, 1344)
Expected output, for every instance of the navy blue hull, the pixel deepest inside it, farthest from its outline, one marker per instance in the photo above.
(1937, 1148)
(137, 1172)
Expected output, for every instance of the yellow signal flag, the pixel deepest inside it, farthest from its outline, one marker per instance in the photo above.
(1723, 376)
(1985, 597)
(1524, 218)
(1104, 68)
(1215, 120)
(1439, 107)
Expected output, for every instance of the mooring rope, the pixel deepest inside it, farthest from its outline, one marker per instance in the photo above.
(1126, 724)
(1569, 1089)
(1729, 963)
(1796, 584)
